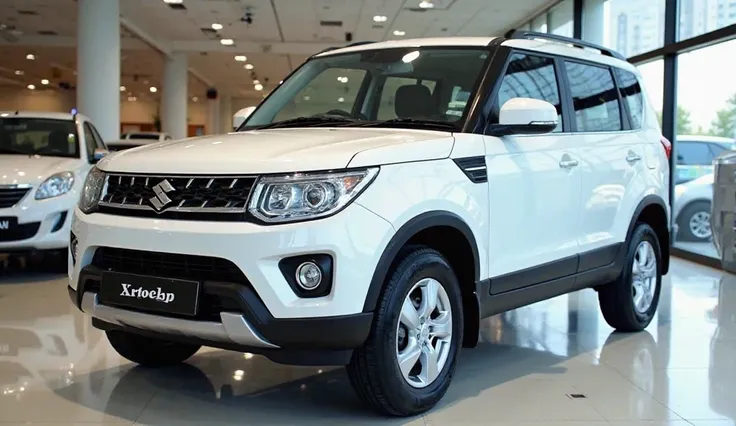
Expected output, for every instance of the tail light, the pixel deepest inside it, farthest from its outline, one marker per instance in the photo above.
(667, 145)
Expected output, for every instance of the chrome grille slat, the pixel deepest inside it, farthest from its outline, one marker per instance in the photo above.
(180, 196)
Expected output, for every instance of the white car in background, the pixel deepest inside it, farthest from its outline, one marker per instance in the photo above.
(44, 160)
(692, 208)
(133, 139)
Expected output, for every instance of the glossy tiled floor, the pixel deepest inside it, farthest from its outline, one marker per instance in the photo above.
(55, 369)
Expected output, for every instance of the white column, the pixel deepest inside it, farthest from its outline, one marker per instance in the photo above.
(595, 25)
(174, 97)
(213, 116)
(226, 114)
(98, 65)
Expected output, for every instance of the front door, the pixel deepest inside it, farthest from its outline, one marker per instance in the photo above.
(534, 188)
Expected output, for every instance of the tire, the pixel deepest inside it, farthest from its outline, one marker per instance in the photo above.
(149, 352)
(684, 232)
(374, 369)
(617, 299)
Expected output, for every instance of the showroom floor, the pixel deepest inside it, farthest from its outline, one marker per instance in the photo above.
(554, 363)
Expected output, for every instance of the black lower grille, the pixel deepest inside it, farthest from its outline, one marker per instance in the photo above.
(168, 265)
(11, 196)
(20, 232)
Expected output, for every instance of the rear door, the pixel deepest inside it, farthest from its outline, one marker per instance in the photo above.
(534, 185)
(613, 162)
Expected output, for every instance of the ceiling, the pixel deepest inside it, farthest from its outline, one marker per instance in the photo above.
(275, 36)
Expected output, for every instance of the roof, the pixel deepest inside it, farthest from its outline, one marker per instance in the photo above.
(38, 114)
(551, 47)
(413, 42)
(704, 138)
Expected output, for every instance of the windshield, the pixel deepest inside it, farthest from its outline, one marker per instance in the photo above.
(145, 136)
(404, 87)
(38, 136)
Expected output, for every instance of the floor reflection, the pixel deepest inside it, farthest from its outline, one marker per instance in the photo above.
(54, 367)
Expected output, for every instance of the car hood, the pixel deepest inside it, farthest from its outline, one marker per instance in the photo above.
(280, 151)
(22, 169)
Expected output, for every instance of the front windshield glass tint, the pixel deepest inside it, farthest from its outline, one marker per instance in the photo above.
(433, 84)
(37, 136)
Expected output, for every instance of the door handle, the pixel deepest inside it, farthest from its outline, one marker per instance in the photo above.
(567, 164)
(632, 158)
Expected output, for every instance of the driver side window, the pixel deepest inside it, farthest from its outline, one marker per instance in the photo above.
(319, 96)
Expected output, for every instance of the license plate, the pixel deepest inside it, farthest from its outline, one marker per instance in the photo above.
(150, 293)
(8, 223)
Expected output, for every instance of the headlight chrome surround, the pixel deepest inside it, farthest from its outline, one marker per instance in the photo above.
(56, 185)
(92, 191)
(306, 196)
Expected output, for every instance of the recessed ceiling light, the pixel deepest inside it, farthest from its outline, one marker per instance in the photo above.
(44, 82)
(122, 88)
(256, 82)
(241, 58)
(227, 42)
(19, 72)
(411, 56)
(249, 66)
(173, 1)
(426, 4)
(380, 18)
(216, 26)
(258, 87)
(153, 89)
(32, 87)
(399, 33)
(341, 100)
(195, 99)
(31, 57)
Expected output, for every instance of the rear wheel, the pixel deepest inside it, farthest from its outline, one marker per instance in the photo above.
(629, 303)
(149, 352)
(407, 363)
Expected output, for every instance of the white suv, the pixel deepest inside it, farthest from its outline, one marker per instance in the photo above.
(44, 160)
(377, 205)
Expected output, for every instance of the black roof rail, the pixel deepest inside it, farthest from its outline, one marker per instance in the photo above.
(521, 34)
(357, 43)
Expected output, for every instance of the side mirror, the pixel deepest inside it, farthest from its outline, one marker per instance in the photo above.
(99, 154)
(242, 115)
(525, 116)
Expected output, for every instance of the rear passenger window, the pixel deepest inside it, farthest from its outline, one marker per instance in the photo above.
(529, 76)
(594, 98)
(630, 90)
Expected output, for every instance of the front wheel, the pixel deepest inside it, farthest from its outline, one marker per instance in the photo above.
(407, 363)
(629, 303)
(694, 222)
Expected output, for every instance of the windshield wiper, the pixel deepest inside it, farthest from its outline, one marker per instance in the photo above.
(413, 122)
(311, 120)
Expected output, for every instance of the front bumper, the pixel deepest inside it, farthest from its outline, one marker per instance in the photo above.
(43, 224)
(264, 315)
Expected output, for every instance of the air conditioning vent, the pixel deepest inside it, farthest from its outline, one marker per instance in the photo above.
(330, 23)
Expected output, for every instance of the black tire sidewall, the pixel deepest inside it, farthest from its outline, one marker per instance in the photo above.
(422, 264)
(642, 232)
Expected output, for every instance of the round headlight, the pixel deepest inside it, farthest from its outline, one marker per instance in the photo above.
(92, 191)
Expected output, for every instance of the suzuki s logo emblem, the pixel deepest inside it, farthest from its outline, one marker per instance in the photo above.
(161, 199)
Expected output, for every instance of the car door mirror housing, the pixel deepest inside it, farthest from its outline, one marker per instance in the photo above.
(99, 154)
(520, 116)
(241, 116)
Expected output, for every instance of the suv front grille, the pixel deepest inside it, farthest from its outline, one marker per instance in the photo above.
(168, 265)
(177, 197)
(11, 195)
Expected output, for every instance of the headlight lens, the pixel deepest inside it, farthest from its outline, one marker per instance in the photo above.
(307, 196)
(58, 184)
(92, 190)
(679, 190)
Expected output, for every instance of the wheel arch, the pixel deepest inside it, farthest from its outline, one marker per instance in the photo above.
(652, 210)
(449, 234)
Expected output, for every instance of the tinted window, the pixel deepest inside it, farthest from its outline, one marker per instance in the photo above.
(98, 139)
(594, 98)
(631, 93)
(533, 77)
(693, 154)
(718, 149)
(31, 136)
(146, 136)
(89, 141)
